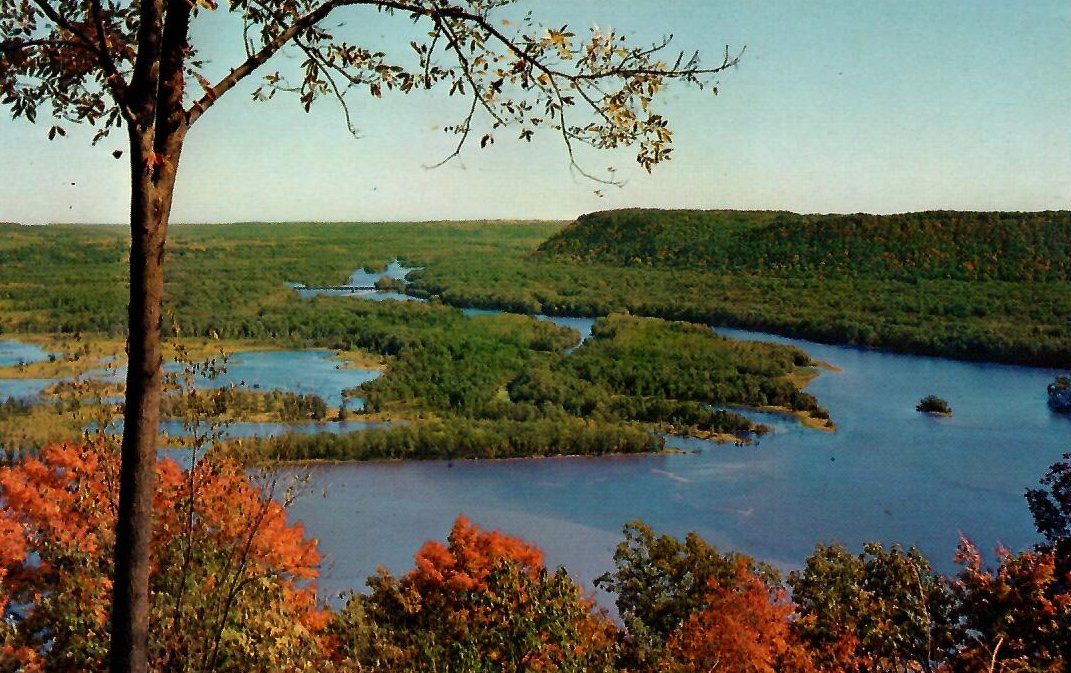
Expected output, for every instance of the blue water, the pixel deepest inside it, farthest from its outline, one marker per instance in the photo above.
(312, 372)
(24, 389)
(395, 270)
(315, 372)
(888, 474)
(12, 352)
(272, 429)
(360, 285)
(581, 325)
(374, 295)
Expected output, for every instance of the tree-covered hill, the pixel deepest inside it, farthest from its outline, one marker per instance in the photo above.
(932, 245)
(232, 280)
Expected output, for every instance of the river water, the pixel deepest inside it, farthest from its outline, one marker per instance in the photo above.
(12, 354)
(889, 474)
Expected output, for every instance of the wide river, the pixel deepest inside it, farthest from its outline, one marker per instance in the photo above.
(888, 474)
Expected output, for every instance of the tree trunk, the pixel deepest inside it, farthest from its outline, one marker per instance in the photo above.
(152, 189)
(157, 128)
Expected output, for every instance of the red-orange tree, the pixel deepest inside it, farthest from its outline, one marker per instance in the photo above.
(662, 582)
(125, 63)
(482, 602)
(231, 579)
(1016, 616)
(745, 627)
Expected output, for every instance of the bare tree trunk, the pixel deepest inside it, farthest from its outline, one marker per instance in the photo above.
(157, 132)
(152, 189)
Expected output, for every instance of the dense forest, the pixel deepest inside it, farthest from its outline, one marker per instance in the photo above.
(975, 286)
(935, 245)
(984, 286)
(238, 591)
(230, 282)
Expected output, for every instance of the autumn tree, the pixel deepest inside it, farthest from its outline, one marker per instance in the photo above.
(662, 581)
(880, 610)
(231, 579)
(482, 602)
(1015, 616)
(132, 65)
(1050, 505)
(745, 627)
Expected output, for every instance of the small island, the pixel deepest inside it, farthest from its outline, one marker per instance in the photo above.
(932, 404)
(1060, 394)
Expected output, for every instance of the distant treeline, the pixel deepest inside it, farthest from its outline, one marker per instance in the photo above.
(976, 286)
(1010, 247)
(971, 286)
(241, 404)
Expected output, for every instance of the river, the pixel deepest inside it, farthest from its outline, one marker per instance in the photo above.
(889, 474)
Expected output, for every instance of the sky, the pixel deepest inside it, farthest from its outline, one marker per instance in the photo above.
(877, 106)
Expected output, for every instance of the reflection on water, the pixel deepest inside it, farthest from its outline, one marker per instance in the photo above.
(14, 353)
(581, 325)
(316, 372)
(395, 270)
(888, 474)
(241, 429)
(374, 295)
(313, 372)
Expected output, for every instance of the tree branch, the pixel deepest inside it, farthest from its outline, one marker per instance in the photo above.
(142, 90)
(302, 24)
(339, 94)
(235, 581)
(466, 68)
(113, 78)
(19, 45)
(260, 57)
(55, 17)
(530, 68)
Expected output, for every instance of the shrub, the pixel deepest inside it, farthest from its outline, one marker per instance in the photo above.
(931, 404)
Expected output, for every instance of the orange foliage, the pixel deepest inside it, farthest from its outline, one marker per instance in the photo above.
(1020, 611)
(225, 560)
(472, 554)
(743, 628)
(483, 601)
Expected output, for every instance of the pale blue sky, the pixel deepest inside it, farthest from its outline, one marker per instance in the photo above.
(837, 106)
